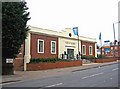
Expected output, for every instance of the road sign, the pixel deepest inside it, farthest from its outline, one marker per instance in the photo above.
(9, 60)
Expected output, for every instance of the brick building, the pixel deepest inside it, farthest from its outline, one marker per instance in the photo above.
(114, 50)
(45, 43)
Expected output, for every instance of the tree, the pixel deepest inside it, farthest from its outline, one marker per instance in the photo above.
(14, 31)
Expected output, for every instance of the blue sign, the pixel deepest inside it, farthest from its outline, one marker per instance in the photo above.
(107, 49)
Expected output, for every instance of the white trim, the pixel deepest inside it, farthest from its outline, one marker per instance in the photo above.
(111, 48)
(38, 45)
(85, 50)
(91, 50)
(62, 33)
(51, 47)
(27, 55)
(95, 50)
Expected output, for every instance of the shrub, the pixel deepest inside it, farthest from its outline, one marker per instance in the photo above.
(101, 56)
(37, 60)
(87, 57)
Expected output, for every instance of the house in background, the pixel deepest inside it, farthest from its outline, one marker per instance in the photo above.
(111, 50)
(45, 43)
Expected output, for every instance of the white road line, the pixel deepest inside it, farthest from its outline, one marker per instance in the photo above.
(114, 69)
(55, 85)
(92, 75)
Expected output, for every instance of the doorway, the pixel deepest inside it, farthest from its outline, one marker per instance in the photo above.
(70, 53)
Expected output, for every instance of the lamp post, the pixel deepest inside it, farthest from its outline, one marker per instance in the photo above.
(114, 37)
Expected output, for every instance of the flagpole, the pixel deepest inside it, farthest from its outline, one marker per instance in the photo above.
(78, 49)
(101, 47)
(100, 44)
(75, 31)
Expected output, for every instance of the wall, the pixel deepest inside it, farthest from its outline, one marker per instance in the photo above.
(119, 52)
(87, 43)
(47, 65)
(111, 59)
(47, 46)
(18, 62)
(65, 43)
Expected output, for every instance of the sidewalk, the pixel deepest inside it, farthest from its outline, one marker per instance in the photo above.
(30, 75)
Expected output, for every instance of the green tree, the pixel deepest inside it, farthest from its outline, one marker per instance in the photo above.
(14, 31)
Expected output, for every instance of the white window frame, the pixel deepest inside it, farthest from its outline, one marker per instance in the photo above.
(85, 50)
(116, 48)
(38, 45)
(51, 47)
(111, 48)
(90, 53)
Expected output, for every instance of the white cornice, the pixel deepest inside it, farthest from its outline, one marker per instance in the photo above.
(63, 33)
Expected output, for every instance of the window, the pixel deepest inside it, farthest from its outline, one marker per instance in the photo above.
(115, 47)
(90, 50)
(83, 49)
(111, 48)
(40, 46)
(53, 47)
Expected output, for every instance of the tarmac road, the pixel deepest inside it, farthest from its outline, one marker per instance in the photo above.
(105, 76)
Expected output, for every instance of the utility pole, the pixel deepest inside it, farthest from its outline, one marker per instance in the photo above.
(114, 38)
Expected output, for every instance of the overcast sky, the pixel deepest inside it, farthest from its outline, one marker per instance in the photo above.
(90, 16)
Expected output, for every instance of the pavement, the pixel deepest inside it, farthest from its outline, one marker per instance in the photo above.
(31, 75)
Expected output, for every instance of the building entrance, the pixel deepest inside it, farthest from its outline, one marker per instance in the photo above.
(70, 53)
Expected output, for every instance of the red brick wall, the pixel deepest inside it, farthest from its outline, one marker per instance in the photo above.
(18, 64)
(18, 61)
(47, 46)
(44, 66)
(87, 43)
(119, 52)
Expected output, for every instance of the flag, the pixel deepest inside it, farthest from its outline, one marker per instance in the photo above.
(100, 36)
(75, 30)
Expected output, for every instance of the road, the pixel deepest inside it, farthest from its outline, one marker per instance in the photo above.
(105, 76)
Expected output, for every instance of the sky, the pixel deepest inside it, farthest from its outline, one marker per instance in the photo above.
(90, 16)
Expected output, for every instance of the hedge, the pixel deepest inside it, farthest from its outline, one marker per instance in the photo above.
(38, 60)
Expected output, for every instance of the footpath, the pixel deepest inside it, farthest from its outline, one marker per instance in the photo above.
(30, 75)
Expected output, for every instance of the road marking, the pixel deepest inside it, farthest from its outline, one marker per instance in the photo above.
(55, 85)
(92, 75)
(114, 69)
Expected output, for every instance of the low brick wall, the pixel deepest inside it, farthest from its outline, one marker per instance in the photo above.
(105, 60)
(45, 66)
(18, 64)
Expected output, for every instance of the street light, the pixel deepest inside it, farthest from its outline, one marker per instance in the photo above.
(114, 36)
(114, 29)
